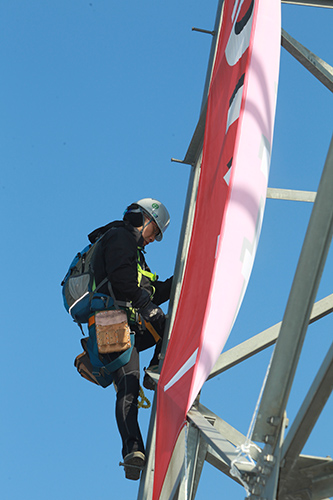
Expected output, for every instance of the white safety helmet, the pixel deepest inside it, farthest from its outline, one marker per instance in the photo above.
(158, 212)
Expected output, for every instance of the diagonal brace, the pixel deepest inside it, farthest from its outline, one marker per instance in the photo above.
(310, 411)
(264, 339)
(317, 67)
(212, 436)
(300, 302)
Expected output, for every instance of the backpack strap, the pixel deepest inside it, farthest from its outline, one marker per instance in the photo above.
(117, 303)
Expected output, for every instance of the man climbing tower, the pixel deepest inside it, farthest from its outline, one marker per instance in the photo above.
(120, 259)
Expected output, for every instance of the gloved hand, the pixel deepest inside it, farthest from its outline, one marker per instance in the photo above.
(154, 315)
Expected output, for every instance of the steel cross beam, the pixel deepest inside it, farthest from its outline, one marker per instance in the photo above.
(196, 455)
(291, 195)
(319, 68)
(311, 478)
(311, 3)
(212, 439)
(300, 477)
(265, 339)
(296, 318)
(309, 412)
(174, 483)
(235, 437)
(215, 439)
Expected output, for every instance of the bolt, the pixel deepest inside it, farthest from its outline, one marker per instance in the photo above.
(266, 471)
(274, 421)
(269, 439)
(269, 459)
(261, 480)
(256, 490)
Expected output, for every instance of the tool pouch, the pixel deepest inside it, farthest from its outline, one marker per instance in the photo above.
(111, 330)
(84, 367)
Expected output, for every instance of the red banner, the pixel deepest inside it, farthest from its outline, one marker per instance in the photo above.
(204, 316)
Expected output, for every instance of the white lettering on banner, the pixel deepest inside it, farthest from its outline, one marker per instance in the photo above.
(240, 35)
(217, 245)
(227, 176)
(234, 109)
(249, 248)
(182, 370)
(237, 7)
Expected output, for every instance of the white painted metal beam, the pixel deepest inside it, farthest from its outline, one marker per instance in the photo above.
(264, 339)
(309, 412)
(291, 195)
(215, 439)
(296, 319)
(235, 437)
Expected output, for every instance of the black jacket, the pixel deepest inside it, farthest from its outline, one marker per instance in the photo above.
(117, 257)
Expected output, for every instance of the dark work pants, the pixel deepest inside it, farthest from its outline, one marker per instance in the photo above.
(127, 380)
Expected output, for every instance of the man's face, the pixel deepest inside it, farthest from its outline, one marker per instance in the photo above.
(149, 232)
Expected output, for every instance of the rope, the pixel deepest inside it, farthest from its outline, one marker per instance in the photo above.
(143, 402)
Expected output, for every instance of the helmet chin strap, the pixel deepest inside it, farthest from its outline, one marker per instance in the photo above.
(145, 225)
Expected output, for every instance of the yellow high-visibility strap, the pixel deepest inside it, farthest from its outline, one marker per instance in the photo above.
(148, 274)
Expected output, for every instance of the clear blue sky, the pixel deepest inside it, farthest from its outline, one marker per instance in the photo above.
(96, 97)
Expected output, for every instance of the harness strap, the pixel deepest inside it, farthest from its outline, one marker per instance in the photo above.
(114, 365)
(152, 330)
(148, 274)
(141, 272)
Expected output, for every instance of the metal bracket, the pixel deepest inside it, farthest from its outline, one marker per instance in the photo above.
(204, 31)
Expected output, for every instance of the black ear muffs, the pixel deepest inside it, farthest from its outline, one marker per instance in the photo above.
(134, 215)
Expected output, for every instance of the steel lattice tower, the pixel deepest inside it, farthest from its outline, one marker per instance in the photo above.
(275, 469)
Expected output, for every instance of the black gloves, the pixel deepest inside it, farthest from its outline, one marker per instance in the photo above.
(162, 291)
(154, 315)
(150, 312)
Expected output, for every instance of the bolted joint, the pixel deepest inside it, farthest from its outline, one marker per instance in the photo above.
(270, 459)
(246, 478)
(261, 480)
(274, 421)
(256, 490)
(264, 470)
(269, 439)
